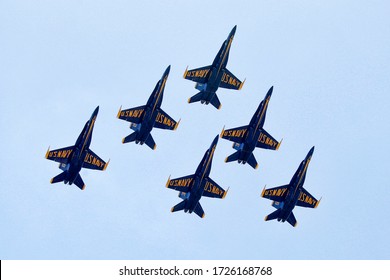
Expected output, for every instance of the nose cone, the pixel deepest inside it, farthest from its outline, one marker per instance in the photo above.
(233, 30)
(269, 93)
(167, 70)
(95, 112)
(215, 141)
(309, 155)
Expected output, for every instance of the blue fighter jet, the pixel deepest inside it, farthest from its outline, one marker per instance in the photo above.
(143, 118)
(73, 158)
(209, 78)
(247, 138)
(191, 188)
(286, 197)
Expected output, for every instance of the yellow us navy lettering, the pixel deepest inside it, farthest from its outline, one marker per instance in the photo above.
(234, 133)
(180, 182)
(198, 73)
(60, 153)
(267, 141)
(132, 113)
(93, 160)
(161, 118)
(211, 188)
(227, 79)
(275, 192)
(307, 199)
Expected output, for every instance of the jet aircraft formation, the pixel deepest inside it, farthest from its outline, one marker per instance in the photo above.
(193, 187)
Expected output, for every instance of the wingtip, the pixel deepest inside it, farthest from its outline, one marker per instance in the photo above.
(172, 209)
(219, 107)
(203, 215)
(277, 147)
(266, 218)
(257, 166)
(224, 195)
(242, 84)
(226, 159)
(105, 166)
(51, 180)
(155, 146)
(189, 100)
(263, 191)
(318, 203)
(185, 72)
(177, 124)
(223, 130)
(295, 225)
(123, 140)
(168, 181)
(83, 188)
(47, 152)
(119, 112)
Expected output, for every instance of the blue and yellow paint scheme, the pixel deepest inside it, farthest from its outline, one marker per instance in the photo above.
(286, 197)
(209, 78)
(73, 158)
(143, 118)
(191, 188)
(247, 138)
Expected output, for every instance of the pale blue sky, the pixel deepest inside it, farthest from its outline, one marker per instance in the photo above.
(329, 63)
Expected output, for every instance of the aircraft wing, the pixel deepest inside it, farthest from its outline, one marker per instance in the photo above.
(164, 121)
(93, 161)
(182, 184)
(307, 200)
(59, 155)
(212, 189)
(199, 75)
(236, 135)
(275, 194)
(230, 81)
(133, 115)
(266, 141)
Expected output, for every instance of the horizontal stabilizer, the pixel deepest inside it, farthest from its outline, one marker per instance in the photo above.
(129, 138)
(215, 102)
(233, 157)
(199, 210)
(150, 142)
(273, 215)
(59, 178)
(197, 97)
(79, 182)
(179, 206)
(291, 220)
(252, 161)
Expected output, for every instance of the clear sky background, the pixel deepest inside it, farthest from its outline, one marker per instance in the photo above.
(329, 63)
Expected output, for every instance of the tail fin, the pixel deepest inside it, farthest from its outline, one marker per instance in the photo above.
(179, 206)
(199, 210)
(197, 97)
(233, 157)
(252, 161)
(215, 102)
(59, 178)
(273, 215)
(129, 138)
(291, 220)
(150, 142)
